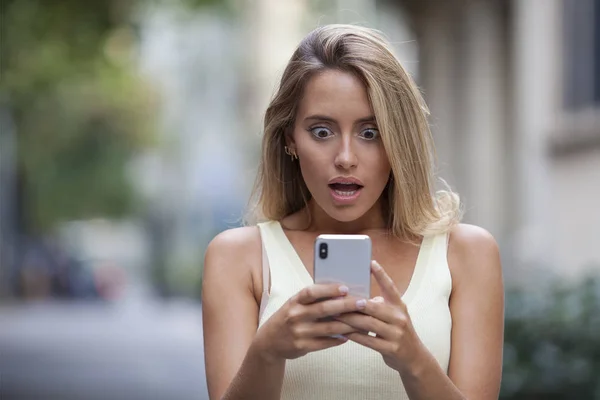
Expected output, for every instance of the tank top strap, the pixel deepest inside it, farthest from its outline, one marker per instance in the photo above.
(274, 258)
(266, 273)
(431, 267)
(276, 264)
(438, 273)
(421, 265)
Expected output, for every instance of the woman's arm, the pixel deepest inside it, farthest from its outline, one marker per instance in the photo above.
(477, 308)
(242, 363)
(236, 367)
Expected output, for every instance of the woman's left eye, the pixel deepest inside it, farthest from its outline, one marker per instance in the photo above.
(370, 134)
(321, 132)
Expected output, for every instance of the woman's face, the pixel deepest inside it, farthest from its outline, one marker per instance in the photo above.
(341, 155)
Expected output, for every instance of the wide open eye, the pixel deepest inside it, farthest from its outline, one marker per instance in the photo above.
(369, 134)
(320, 132)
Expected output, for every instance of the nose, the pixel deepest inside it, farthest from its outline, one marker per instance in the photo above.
(346, 157)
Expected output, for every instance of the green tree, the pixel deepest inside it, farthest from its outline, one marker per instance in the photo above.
(79, 105)
(552, 345)
(79, 109)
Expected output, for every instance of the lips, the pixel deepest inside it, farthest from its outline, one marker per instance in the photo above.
(346, 180)
(345, 189)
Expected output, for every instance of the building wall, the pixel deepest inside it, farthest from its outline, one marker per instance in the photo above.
(492, 73)
(577, 211)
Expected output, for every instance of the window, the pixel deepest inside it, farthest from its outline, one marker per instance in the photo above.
(579, 127)
(581, 54)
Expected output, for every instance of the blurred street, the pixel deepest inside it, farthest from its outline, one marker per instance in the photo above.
(134, 349)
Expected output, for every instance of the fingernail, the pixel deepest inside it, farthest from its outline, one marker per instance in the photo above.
(376, 265)
(343, 289)
(362, 303)
(377, 299)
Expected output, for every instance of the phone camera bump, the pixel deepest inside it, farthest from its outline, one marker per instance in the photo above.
(323, 250)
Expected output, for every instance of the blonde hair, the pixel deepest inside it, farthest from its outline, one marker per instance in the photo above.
(401, 115)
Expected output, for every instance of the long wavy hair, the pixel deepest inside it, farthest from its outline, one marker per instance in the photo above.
(412, 207)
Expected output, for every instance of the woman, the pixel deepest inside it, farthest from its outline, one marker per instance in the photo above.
(347, 149)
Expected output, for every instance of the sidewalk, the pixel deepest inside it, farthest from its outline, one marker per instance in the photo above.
(140, 348)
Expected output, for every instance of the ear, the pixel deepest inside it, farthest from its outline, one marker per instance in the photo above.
(289, 138)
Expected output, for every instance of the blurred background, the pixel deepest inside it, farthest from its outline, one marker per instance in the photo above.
(130, 134)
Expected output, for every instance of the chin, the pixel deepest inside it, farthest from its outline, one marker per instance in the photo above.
(345, 214)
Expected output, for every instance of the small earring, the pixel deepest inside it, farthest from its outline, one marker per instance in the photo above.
(290, 153)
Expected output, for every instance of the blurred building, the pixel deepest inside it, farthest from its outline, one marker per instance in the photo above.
(514, 90)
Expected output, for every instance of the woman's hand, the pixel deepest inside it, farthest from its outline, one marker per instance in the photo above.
(298, 327)
(395, 337)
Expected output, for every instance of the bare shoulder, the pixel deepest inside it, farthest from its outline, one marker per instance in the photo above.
(466, 237)
(233, 253)
(473, 252)
(234, 242)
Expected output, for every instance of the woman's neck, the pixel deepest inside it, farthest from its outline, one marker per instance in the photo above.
(317, 220)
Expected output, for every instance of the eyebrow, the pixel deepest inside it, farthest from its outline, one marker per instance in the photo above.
(370, 118)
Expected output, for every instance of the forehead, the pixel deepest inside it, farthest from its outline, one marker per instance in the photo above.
(336, 94)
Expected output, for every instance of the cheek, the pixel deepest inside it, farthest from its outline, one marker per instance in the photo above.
(386, 169)
(381, 171)
(314, 159)
(314, 165)
(379, 164)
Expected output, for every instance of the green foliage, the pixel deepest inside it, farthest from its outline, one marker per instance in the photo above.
(79, 105)
(552, 343)
(80, 109)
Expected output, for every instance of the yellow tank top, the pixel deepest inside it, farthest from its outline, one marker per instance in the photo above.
(351, 371)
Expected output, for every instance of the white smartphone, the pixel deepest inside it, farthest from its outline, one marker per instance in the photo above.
(344, 259)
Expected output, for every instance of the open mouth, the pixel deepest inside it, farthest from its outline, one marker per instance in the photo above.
(345, 189)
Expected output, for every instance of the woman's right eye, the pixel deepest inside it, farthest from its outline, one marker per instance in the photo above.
(321, 132)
